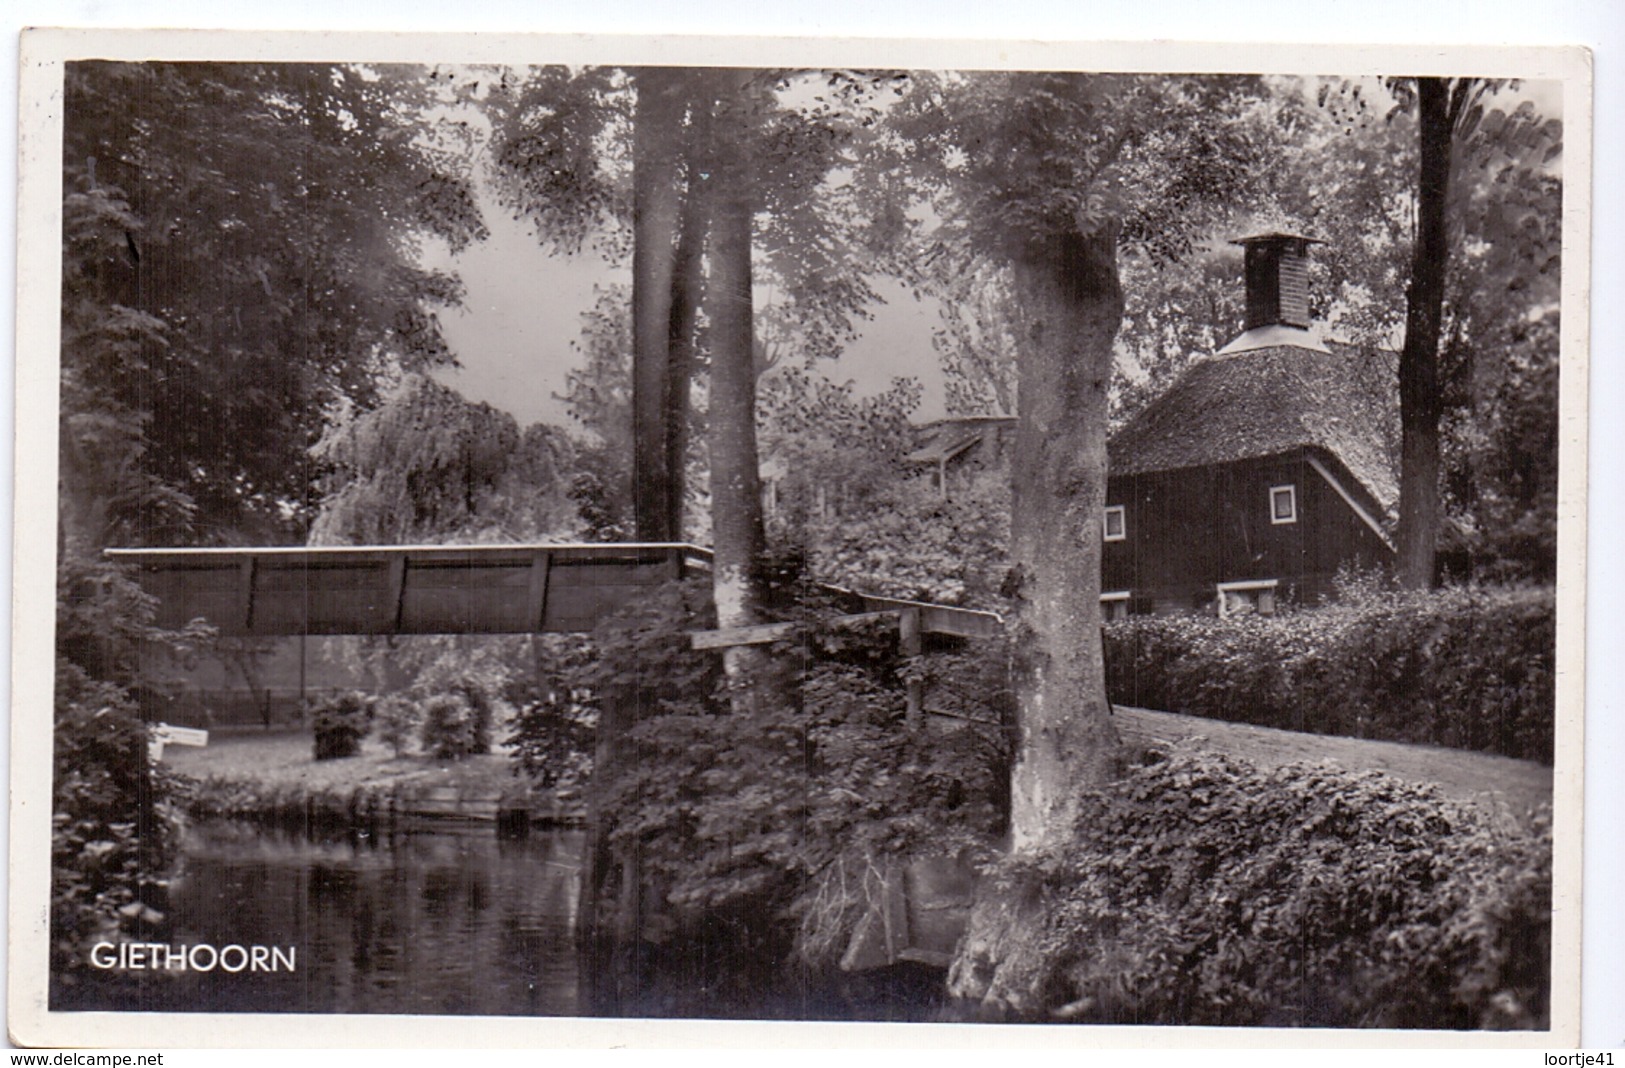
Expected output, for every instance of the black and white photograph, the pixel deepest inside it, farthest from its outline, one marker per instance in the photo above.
(562, 530)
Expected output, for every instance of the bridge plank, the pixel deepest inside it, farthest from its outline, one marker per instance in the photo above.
(728, 637)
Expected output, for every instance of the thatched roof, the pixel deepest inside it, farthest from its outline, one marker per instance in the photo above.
(1264, 402)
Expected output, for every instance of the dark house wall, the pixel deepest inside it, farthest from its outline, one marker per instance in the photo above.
(1186, 531)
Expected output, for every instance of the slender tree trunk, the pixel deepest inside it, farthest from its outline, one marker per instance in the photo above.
(612, 902)
(656, 204)
(688, 292)
(1420, 404)
(736, 498)
(1071, 305)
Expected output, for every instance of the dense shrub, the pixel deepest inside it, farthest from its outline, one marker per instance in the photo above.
(396, 718)
(1199, 890)
(908, 541)
(482, 705)
(555, 721)
(451, 727)
(115, 822)
(339, 722)
(1471, 668)
(115, 819)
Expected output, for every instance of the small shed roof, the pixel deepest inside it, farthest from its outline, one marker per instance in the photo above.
(1264, 402)
(947, 438)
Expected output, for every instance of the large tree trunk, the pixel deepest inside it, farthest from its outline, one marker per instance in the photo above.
(736, 496)
(1419, 396)
(656, 204)
(1071, 306)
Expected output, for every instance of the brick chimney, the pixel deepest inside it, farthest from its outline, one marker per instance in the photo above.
(1277, 271)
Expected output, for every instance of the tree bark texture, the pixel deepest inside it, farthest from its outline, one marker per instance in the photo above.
(1071, 304)
(656, 208)
(1420, 404)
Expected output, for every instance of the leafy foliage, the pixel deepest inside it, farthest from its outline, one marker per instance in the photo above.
(1202, 891)
(115, 818)
(397, 718)
(258, 259)
(457, 723)
(1500, 480)
(829, 453)
(427, 464)
(550, 128)
(339, 722)
(555, 720)
(759, 814)
(1465, 667)
(908, 541)
(115, 822)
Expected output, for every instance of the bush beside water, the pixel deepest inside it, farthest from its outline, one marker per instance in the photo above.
(458, 723)
(1471, 668)
(397, 717)
(1202, 891)
(339, 722)
(115, 823)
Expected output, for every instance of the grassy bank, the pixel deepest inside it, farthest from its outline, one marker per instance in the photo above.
(280, 760)
(272, 773)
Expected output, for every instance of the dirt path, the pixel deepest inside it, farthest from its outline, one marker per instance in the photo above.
(1483, 777)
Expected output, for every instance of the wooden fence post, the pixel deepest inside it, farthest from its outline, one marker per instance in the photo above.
(909, 644)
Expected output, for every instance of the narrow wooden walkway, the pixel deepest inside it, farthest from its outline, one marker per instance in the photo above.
(441, 589)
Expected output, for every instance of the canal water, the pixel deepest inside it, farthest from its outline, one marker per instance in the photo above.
(449, 921)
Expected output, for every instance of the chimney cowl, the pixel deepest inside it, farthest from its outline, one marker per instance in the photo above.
(1277, 272)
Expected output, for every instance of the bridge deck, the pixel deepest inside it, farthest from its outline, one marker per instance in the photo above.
(438, 589)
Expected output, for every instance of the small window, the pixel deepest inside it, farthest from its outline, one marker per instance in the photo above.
(1114, 606)
(1283, 504)
(1116, 523)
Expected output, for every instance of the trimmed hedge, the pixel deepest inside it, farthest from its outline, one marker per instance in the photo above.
(1203, 891)
(1470, 668)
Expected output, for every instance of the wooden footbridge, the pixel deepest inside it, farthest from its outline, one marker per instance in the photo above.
(444, 589)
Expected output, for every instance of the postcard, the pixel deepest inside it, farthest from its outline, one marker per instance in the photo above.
(640, 539)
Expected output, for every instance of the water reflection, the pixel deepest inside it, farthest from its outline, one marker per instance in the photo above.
(448, 922)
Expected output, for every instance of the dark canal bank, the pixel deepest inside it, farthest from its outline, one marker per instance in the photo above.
(456, 920)
(448, 917)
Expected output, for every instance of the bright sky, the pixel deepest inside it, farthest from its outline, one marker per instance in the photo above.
(522, 309)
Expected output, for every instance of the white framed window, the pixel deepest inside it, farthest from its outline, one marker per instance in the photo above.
(1283, 504)
(1242, 598)
(1115, 522)
(1114, 606)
